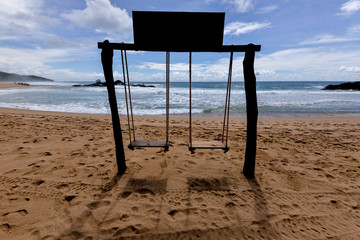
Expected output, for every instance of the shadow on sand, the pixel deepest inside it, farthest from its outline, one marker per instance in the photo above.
(74, 231)
(266, 229)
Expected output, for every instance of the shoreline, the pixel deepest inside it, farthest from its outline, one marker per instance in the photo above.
(5, 85)
(214, 116)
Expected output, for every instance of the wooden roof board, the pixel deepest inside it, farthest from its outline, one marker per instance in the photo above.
(175, 31)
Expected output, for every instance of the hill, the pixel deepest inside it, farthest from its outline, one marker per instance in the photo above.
(12, 77)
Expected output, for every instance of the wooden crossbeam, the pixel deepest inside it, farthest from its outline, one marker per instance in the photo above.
(223, 48)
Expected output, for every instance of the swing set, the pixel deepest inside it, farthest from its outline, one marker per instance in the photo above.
(181, 32)
(134, 143)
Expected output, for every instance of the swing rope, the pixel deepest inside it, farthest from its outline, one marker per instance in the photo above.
(130, 101)
(227, 103)
(126, 96)
(130, 115)
(225, 131)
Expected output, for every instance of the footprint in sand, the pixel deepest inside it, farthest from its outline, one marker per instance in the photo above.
(11, 171)
(70, 173)
(66, 139)
(96, 204)
(145, 191)
(124, 218)
(5, 227)
(190, 162)
(22, 212)
(135, 209)
(35, 163)
(39, 182)
(47, 154)
(69, 198)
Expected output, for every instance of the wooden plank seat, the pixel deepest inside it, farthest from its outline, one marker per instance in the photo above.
(149, 143)
(208, 145)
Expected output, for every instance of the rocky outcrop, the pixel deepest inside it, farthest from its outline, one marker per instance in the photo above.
(343, 86)
(98, 83)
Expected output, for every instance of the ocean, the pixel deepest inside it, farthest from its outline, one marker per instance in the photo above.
(275, 99)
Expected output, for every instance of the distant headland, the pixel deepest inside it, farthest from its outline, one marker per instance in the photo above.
(12, 77)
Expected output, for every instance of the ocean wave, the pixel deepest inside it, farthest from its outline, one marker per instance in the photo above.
(70, 107)
(14, 93)
(206, 99)
(308, 103)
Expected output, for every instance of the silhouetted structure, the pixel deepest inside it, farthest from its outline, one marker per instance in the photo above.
(183, 32)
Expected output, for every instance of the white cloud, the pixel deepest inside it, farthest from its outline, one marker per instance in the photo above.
(103, 17)
(214, 71)
(350, 69)
(350, 7)
(308, 63)
(21, 19)
(237, 28)
(301, 64)
(240, 6)
(20, 13)
(354, 29)
(38, 62)
(264, 73)
(173, 67)
(327, 38)
(56, 42)
(267, 9)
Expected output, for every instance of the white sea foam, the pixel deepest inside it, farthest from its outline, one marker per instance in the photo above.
(206, 99)
(70, 108)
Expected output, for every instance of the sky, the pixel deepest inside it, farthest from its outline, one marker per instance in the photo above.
(302, 40)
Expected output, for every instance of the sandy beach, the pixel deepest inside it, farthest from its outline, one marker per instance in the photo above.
(16, 85)
(59, 181)
(11, 85)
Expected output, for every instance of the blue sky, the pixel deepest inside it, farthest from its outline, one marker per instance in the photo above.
(301, 40)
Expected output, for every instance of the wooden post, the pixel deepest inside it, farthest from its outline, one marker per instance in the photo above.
(251, 112)
(107, 54)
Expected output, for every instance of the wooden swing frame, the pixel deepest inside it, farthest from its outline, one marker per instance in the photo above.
(205, 40)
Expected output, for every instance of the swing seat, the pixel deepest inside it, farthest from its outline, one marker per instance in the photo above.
(208, 145)
(149, 143)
